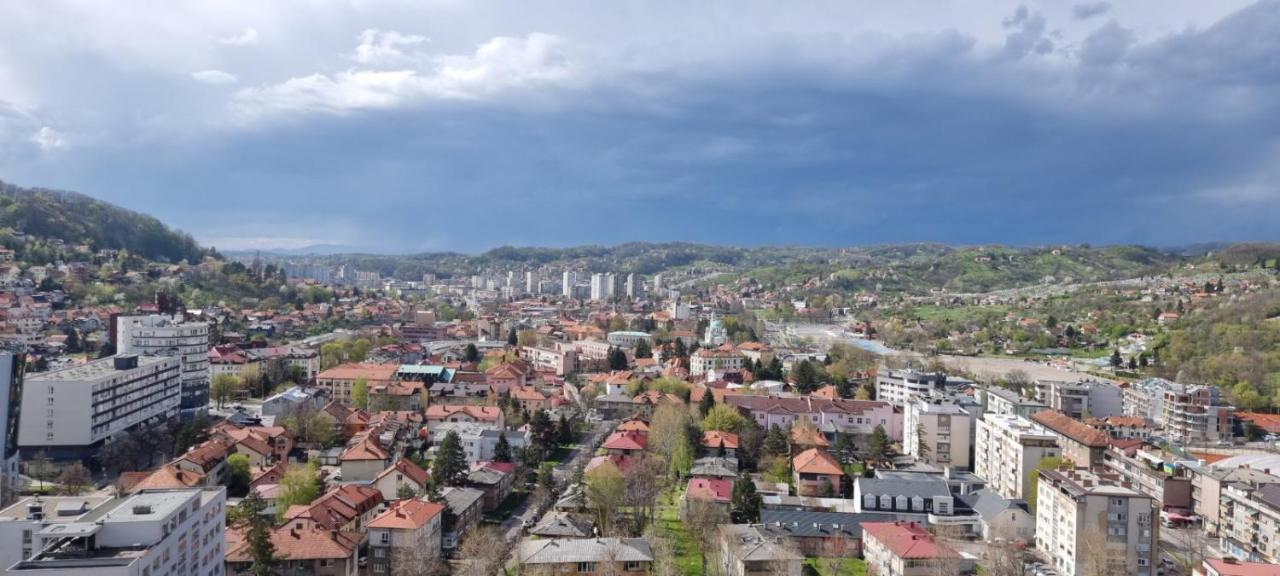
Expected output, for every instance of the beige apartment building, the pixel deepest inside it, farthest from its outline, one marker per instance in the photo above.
(1088, 523)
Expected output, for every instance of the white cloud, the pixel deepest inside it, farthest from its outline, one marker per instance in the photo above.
(49, 140)
(214, 77)
(499, 66)
(248, 37)
(378, 47)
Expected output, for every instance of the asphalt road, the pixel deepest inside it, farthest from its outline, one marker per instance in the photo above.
(513, 526)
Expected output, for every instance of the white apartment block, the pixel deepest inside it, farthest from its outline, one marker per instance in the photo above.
(898, 387)
(1187, 413)
(718, 359)
(152, 533)
(1007, 448)
(1079, 399)
(80, 406)
(1005, 401)
(943, 429)
(158, 335)
(1088, 523)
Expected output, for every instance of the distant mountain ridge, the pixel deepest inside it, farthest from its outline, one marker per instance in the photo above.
(77, 218)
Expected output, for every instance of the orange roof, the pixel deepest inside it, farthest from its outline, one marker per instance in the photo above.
(408, 514)
(169, 477)
(717, 489)
(527, 393)
(1209, 458)
(626, 441)
(370, 372)
(441, 411)
(815, 461)
(1268, 422)
(718, 439)
(633, 424)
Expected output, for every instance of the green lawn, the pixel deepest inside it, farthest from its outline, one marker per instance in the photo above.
(847, 567)
(688, 553)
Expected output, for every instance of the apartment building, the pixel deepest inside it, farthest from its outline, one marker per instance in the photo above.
(1187, 413)
(407, 534)
(1094, 398)
(160, 335)
(1005, 401)
(1209, 480)
(1153, 472)
(12, 382)
(559, 361)
(858, 418)
(721, 358)
(937, 432)
(67, 411)
(898, 387)
(1250, 516)
(1082, 444)
(152, 533)
(1007, 449)
(1089, 523)
(340, 380)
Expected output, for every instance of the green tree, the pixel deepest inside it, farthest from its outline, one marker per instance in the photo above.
(707, 403)
(258, 534)
(1033, 477)
(643, 349)
(471, 354)
(922, 441)
(806, 377)
(223, 388)
(564, 431)
(502, 451)
(1116, 360)
(238, 475)
(450, 466)
(543, 429)
(744, 505)
(300, 485)
(606, 490)
(617, 359)
(878, 445)
(724, 418)
(360, 393)
(776, 442)
(72, 344)
(513, 337)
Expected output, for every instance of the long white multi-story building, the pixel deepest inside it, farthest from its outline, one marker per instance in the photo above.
(11, 384)
(159, 335)
(152, 533)
(1007, 448)
(69, 410)
(1088, 523)
(1078, 400)
(898, 387)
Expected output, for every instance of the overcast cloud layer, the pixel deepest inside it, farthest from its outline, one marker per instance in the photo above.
(467, 124)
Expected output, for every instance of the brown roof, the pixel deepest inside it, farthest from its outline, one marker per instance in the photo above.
(370, 372)
(718, 439)
(298, 543)
(1073, 429)
(409, 469)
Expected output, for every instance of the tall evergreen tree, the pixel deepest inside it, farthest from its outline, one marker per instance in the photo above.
(471, 353)
(513, 338)
(776, 442)
(261, 549)
(643, 349)
(502, 451)
(564, 431)
(450, 466)
(544, 430)
(707, 403)
(878, 445)
(744, 505)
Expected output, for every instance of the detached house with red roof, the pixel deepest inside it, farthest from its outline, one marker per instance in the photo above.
(402, 475)
(625, 443)
(487, 415)
(505, 376)
(709, 491)
(347, 508)
(816, 473)
(717, 443)
(530, 398)
(908, 549)
(364, 459)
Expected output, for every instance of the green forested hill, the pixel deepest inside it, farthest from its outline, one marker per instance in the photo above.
(76, 218)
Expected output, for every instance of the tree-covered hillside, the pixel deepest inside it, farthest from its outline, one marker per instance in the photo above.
(79, 219)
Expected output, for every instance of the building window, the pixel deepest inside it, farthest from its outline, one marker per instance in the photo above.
(586, 567)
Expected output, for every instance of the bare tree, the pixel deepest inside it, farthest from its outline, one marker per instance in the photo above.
(702, 521)
(1096, 556)
(74, 479)
(485, 553)
(642, 490)
(664, 555)
(420, 559)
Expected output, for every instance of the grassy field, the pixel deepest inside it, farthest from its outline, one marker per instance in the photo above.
(688, 552)
(846, 567)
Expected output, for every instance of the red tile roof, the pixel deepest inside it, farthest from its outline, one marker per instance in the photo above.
(816, 461)
(717, 489)
(1233, 567)
(626, 441)
(718, 439)
(298, 543)
(907, 540)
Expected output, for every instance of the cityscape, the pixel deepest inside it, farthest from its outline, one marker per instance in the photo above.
(643, 288)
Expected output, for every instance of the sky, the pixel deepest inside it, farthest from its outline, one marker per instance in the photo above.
(424, 125)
